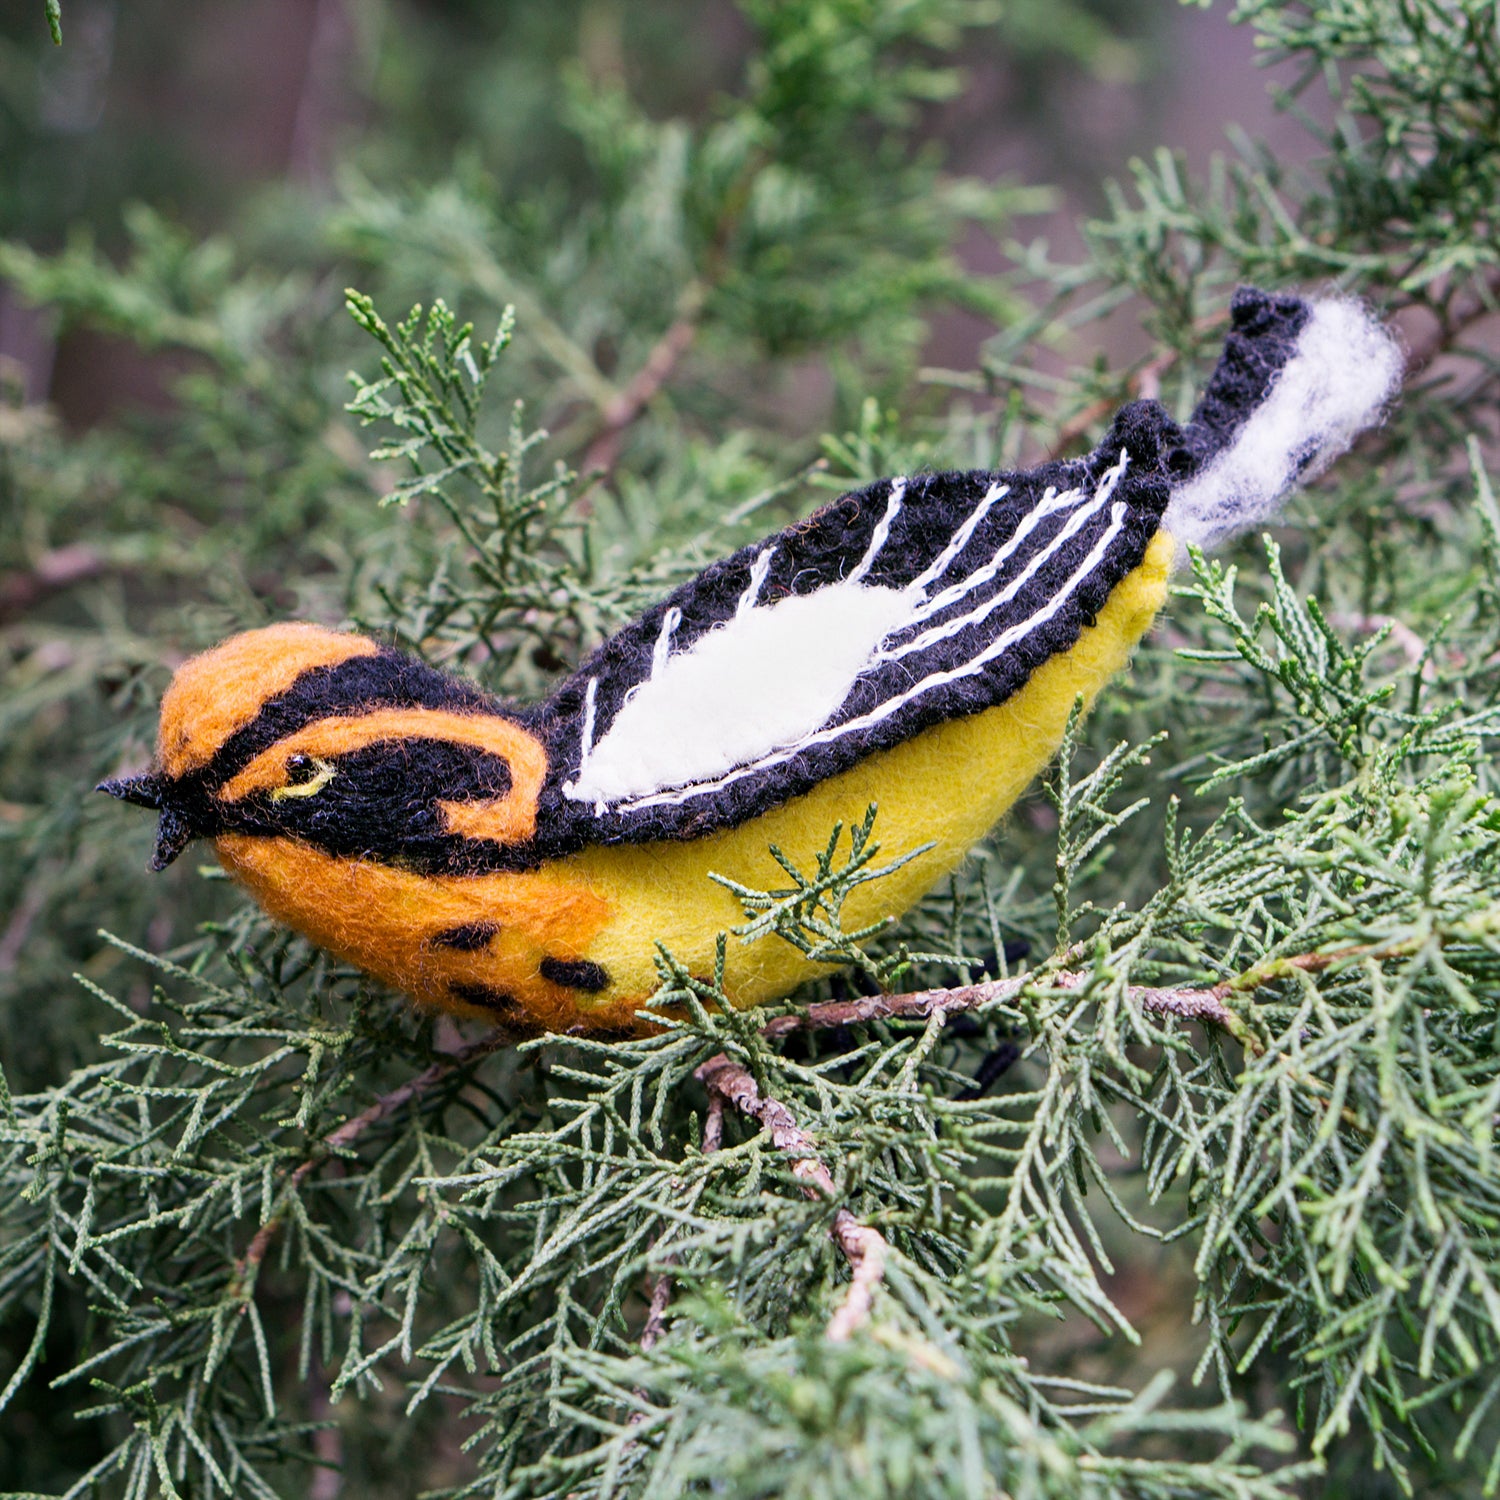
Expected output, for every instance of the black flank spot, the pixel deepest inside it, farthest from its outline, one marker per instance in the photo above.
(467, 937)
(485, 996)
(575, 974)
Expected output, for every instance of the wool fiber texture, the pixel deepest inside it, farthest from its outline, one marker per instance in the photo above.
(1297, 383)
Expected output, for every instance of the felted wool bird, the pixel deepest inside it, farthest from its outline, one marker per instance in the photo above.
(918, 644)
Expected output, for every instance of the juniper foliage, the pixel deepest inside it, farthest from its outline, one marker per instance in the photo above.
(265, 1232)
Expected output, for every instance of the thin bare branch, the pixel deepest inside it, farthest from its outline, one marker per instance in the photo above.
(653, 374)
(1188, 1004)
(863, 1247)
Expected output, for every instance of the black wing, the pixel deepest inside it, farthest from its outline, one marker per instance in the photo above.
(936, 596)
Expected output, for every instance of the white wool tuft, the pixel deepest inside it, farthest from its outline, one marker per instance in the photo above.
(1344, 368)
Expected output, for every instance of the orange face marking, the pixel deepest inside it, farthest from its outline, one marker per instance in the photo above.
(222, 690)
(391, 922)
(507, 819)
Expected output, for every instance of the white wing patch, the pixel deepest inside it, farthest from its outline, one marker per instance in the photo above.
(762, 686)
(764, 679)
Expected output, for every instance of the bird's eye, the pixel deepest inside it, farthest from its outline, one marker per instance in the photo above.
(306, 776)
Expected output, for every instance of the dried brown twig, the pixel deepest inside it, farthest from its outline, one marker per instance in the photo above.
(864, 1248)
(52, 571)
(653, 374)
(661, 1283)
(1186, 1004)
(1401, 635)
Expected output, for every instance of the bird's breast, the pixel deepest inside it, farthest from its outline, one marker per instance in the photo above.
(511, 948)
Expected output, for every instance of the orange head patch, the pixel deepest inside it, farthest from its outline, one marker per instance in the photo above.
(221, 691)
(297, 732)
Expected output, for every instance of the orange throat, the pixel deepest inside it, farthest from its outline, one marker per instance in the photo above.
(510, 948)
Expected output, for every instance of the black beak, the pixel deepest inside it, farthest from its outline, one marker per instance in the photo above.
(173, 833)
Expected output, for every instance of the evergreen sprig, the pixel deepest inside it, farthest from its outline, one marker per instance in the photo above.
(523, 588)
(1191, 1073)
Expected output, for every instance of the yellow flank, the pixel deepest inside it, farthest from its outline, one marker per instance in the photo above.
(948, 787)
(574, 944)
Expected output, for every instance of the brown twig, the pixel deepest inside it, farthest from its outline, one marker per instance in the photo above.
(328, 1444)
(713, 1125)
(863, 1247)
(1144, 383)
(1467, 307)
(656, 1314)
(648, 380)
(1187, 1004)
(661, 1283)
(1184, 1003)
(32, 904)
(338, 1141)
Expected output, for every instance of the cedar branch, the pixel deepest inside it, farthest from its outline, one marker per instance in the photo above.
(338, 1141)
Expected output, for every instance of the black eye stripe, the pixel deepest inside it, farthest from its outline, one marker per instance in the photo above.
(415, 769)
(358, 685)
(385, 802)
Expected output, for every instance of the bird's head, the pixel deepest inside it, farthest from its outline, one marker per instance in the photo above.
(294, 731)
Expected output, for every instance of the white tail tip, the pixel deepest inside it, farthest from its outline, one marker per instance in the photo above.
(1341, 370)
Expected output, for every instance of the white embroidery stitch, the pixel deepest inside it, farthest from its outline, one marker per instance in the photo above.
(944, 560)
(1075, 523)
(590, 695)
(670, 621)
(758, 570)
(882, 531)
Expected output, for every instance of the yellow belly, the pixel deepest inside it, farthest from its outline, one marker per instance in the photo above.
(610, 906)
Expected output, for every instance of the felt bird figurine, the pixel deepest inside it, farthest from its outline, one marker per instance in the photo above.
(918, 644)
